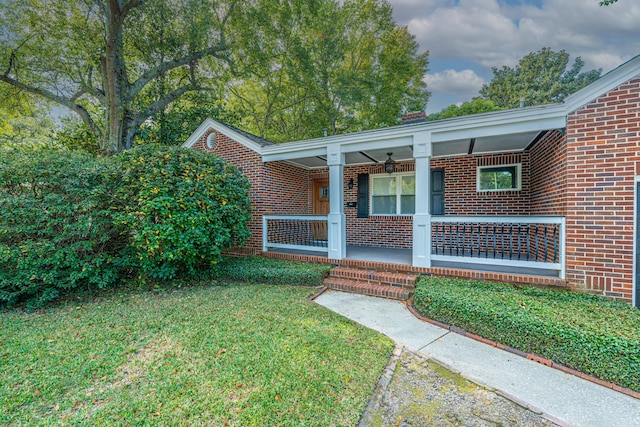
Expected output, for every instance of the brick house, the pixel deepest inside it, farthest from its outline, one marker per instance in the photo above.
(545, 194)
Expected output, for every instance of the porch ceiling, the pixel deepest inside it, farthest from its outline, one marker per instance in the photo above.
(461, 147)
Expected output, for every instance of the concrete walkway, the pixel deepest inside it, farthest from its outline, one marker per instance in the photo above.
(563, 398)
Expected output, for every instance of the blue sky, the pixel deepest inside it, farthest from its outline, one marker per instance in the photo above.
(466, 38)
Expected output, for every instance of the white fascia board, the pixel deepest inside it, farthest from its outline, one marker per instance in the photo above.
(504, 128)
(343, 141)
(219, 127)
(499, 117)
(377, 144)
(518, 120)
(294, 154)
(614, 78)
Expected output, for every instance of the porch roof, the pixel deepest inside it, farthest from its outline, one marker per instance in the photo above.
(502, 131)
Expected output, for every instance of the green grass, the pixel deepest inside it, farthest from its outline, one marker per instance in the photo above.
(588, 333)
(256, 269)
(242, 355)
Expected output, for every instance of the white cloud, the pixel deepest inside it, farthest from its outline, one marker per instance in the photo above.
(465, 83)
(492, 33)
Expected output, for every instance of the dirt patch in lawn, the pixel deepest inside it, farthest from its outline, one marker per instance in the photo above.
(416, 391)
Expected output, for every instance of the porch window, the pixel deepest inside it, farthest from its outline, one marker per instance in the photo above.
(499, 178)
(393, 194)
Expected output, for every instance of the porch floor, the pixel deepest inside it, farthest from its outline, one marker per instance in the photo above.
(404, 257)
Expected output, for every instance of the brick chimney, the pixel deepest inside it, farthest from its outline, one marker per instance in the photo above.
(414, 117)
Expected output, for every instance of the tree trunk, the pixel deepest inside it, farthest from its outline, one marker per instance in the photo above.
(116, 84)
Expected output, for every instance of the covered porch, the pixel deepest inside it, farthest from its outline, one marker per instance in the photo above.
(510, 246)
(402, 257)
(462, 226)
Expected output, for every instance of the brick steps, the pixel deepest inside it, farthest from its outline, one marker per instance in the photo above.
(375, 283)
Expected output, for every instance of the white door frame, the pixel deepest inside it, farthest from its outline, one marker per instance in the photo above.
(635, 299)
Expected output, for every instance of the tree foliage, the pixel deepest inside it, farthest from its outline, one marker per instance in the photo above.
(311, 66)
(173, 125)
(56, 232)
(295, 67)
(475, 106)
(71, 220)
(540, 78)
(24, 121)
(113, 62)
(180, 208)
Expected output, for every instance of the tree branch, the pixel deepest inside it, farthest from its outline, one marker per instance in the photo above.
(79, 109)
(154, 72)
(161, 103)
(129, 6)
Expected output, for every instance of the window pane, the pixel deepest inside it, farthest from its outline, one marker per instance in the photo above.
(384, 205)
(384, 186)
(408, 205)
(409, 184)
(500, 178)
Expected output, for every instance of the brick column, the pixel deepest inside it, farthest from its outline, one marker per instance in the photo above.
(336, 220)
(422, 216)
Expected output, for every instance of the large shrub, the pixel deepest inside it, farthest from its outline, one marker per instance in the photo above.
(180, 207)
(56, 232)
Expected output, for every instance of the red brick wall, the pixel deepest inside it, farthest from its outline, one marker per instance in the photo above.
(276, 188)
(380, 230)
(548, 182)
(603, 158)
(461, 197)
(390, 231)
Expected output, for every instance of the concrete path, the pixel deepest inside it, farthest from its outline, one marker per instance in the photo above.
(561, 397)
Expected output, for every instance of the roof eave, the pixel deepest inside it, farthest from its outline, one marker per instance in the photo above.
(614, 78)
(478, 125)
(210, 123)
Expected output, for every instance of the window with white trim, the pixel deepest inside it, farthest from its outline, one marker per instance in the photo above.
(499, 178)
(393, 194)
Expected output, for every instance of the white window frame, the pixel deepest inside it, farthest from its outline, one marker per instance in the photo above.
(212, 139)
(518, 186)
(398, 177)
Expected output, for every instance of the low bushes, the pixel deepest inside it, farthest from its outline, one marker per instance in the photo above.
(585, 332)
(70, 220)
(270, 271)
(56, 231)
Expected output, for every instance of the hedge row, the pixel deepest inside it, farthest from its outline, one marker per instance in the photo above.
(270, 271)
(584, 332)
(70, 220)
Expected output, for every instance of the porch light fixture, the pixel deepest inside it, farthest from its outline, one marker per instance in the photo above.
(390, 164)
(350, 184)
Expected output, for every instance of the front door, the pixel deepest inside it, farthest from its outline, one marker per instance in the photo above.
(320, 207)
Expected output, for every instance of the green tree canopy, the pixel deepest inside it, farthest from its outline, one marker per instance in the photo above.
(24, 121)
(540, 78)
(475, 106)
(309, 66)
(113, 62)
(286, 69)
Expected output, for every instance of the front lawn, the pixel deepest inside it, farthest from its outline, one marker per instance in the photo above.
(585, 332)
(239, 355)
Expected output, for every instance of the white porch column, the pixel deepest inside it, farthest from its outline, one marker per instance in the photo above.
(422, 216)
(337, 232)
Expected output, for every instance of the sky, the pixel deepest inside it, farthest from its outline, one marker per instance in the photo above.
(465, 38)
